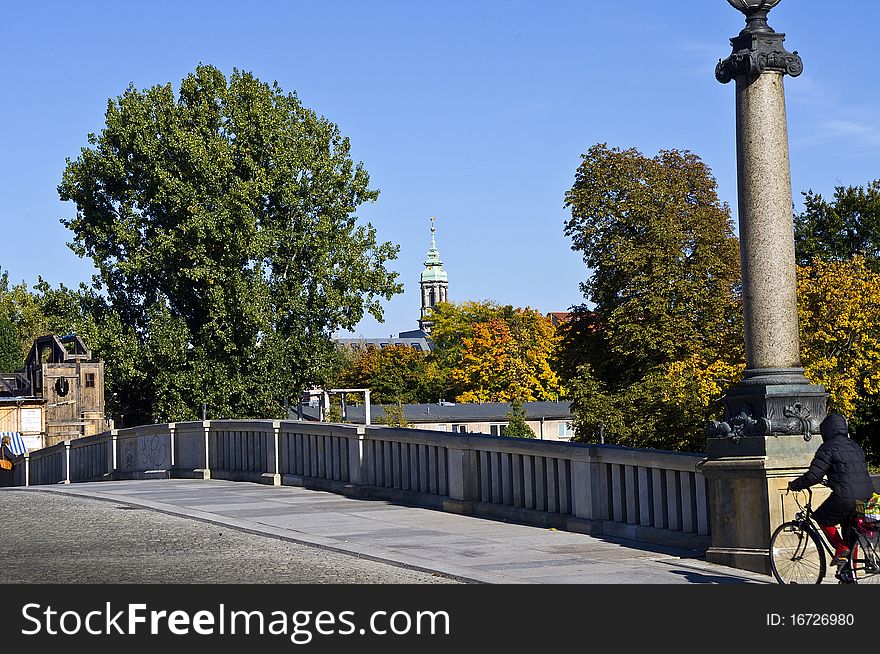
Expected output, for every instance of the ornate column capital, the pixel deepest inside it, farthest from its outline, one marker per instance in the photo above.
(758, 49)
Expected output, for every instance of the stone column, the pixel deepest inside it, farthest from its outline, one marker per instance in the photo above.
(765, 223)
(772, 415)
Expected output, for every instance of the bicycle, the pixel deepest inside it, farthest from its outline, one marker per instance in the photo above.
(798, 550)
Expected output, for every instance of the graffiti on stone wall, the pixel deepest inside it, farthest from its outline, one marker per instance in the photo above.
(145, 453)
(153, 451)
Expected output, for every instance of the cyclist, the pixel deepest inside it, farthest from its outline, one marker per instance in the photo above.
(842, 460)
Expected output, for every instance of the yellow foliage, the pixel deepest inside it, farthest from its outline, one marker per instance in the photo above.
(508, 358)
(695, 381)
(839, 314)
(839, 317)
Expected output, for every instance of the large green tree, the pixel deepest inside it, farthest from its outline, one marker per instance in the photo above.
(837, 230)
(664, 289)
(222, 221)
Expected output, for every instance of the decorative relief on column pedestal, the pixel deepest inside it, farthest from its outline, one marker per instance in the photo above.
(796, 419)
(743, 424)
(800, 418)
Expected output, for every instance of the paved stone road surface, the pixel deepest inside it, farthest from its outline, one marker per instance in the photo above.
(193, 539)
(60, 538)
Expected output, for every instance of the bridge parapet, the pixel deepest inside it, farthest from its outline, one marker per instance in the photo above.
(641, 494)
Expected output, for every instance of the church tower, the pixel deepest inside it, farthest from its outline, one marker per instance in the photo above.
(434, 284)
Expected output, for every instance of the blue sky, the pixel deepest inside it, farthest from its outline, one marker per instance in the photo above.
(475, 112)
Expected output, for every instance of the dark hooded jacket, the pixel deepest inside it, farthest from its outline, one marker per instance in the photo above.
(840, 459)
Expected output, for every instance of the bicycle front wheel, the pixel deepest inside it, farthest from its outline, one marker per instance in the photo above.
(864, 559)
(796, 555)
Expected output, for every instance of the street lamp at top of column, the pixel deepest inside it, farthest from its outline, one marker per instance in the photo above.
(758, 47)
(756, 13)
(747, 6)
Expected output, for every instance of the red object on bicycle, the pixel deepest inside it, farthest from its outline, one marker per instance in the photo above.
(869, 529)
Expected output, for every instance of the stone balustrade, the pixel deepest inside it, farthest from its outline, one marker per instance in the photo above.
(646, 495)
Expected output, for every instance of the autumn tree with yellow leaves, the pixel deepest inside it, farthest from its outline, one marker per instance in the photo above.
(837, 242)
(507, 359)
(483, 352)
(488, 352)
(839, 313)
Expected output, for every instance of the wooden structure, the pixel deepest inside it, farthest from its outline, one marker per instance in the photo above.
(27, 416)
(61, 375)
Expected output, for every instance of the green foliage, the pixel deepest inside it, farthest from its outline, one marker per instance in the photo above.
(394, 416)
(222, 223)
(45, 310)
(664, 286)
(865, 430)
(394, 374)
(22, 309)
(517, 427)
(837, 243)
(835, 231)
(10, 348)
(578, 343)
(334, 412)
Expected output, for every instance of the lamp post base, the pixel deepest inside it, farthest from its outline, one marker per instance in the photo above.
(769, 401)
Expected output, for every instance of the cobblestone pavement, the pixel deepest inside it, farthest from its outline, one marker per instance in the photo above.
(55, 538)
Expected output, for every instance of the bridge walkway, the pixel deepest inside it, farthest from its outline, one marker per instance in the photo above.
(462, 547)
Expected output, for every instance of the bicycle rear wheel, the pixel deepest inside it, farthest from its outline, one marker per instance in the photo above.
(796, 555)
(864, 559)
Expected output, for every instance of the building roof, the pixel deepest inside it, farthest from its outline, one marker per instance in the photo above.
(450, 412)
(420, 343)
(413, 333)
(559, 317)
(15, 384)
(54, 349)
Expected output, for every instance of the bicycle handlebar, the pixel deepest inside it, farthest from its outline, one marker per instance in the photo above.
(809, 491)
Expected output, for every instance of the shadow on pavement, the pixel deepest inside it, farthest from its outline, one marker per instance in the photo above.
(645, 546)
(701, 578)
